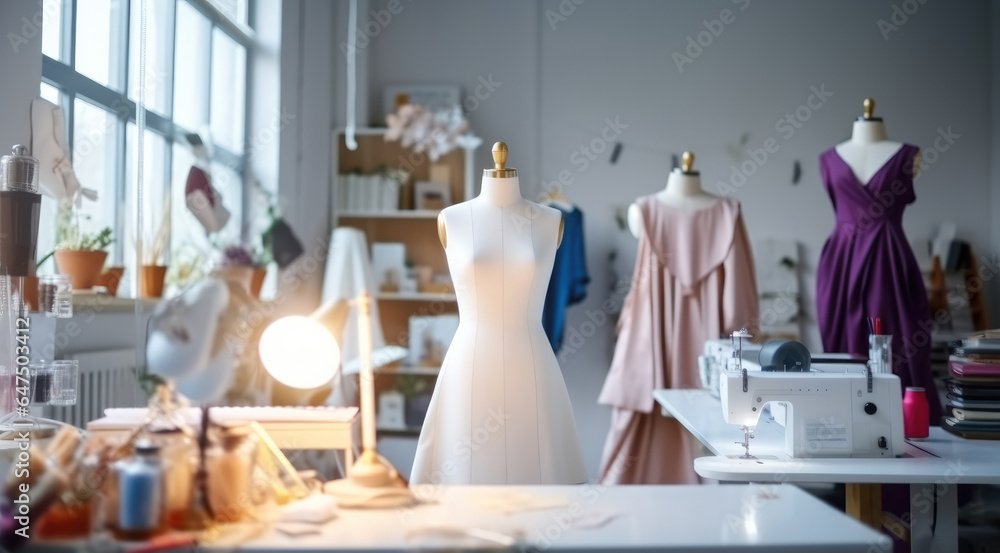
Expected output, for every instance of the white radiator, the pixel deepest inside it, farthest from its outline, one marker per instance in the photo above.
(107, 379)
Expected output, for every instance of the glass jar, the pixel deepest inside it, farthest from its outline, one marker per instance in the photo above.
(65, 378)
(180, 455)
(41, 383)
(55, 296)
(230, 463)
(141, 512)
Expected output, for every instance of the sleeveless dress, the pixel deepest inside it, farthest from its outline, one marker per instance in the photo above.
(694, 280)
(867, 268)
(500, 412)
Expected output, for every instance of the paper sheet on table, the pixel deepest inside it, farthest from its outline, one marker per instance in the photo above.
(509, 502)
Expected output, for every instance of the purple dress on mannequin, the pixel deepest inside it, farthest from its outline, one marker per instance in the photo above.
(868, 269)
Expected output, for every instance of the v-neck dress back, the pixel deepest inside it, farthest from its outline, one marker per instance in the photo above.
(867, 268)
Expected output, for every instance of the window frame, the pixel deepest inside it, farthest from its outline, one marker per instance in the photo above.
(72, 84)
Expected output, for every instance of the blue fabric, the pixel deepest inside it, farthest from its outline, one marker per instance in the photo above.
(568, 284)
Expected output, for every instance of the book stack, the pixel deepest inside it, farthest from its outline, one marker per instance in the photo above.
(368, 193)
(974, 388)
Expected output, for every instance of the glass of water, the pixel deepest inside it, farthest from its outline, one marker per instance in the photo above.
(65, 380)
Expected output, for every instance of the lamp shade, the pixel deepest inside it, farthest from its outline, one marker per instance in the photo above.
(299, 352)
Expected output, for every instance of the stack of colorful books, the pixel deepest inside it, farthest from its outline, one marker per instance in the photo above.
(974, 388)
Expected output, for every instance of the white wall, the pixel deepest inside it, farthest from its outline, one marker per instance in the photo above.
(614, 60)
(308, 62)
(21, 67)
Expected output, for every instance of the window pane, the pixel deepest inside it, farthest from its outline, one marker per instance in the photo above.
(50, 93)
(230, 185)
(99, 51)
(95, 137)
(159, 34)
(154, 197)
(52, 15)
(191, 56)
(229, 63)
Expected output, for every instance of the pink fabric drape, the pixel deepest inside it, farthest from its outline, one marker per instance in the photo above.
(694, 280)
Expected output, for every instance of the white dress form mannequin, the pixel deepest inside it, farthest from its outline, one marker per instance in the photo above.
(683, 191)
(869, 148)
(500, 413)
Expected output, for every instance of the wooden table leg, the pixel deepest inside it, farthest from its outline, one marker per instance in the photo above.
(864, 502)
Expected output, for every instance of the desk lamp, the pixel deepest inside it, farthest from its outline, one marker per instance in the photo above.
(301, 352)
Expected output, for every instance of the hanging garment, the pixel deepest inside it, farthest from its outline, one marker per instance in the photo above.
(204, 200)
(867, 268)
(56, 178)
(348, 274)
(500, 413)
(568, 284)
(694, 280)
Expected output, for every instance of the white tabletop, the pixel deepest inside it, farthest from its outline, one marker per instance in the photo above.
(942, 457)
(765, 518)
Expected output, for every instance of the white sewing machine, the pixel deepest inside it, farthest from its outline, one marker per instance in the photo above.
(843, 411)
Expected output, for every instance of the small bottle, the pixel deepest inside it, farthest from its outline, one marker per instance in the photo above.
(55, 294)
(916, 414)
(141, 513)
(230, 465)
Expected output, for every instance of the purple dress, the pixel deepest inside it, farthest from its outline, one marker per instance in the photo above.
(868, 269)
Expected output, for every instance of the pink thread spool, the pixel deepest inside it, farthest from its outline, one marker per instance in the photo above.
(916, 414)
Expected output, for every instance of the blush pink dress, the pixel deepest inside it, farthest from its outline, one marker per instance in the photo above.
(694, 280)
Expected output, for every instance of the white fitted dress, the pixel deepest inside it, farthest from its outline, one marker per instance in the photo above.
(500, 413)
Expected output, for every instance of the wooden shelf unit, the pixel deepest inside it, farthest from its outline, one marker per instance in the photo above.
(415, 228)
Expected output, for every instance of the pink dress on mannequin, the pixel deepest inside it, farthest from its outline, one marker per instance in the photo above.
(693, 281)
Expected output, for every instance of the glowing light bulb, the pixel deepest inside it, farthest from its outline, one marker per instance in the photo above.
(299, 352)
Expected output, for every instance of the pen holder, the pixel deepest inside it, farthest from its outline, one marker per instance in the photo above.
(880, 353)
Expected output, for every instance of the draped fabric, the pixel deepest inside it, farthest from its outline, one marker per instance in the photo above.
(694, 280)
(568, 284)
(867, 268)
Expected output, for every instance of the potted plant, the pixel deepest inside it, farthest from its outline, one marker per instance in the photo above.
(237, 265)
(259, 273)
(81, 255)
(266, 209)
(151, 250)
(187, 266)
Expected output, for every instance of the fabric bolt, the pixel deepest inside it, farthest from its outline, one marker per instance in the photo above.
(568, 284)
(867, 268)
(500, 412)
(694, 280)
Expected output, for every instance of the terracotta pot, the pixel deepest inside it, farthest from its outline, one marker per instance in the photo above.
(151, 280)
(83, 267)
(238, 275)
(111, 278)
(257, 281)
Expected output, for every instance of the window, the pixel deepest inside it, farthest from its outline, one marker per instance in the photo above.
(195, 82)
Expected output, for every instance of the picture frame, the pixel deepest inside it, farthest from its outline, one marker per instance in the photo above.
(389, 265)
(431, 196)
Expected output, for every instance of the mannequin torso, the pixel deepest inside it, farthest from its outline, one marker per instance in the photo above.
(869, 149)
(500, 374)
(683, 191)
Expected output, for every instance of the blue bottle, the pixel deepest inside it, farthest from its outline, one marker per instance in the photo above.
(140, 494)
